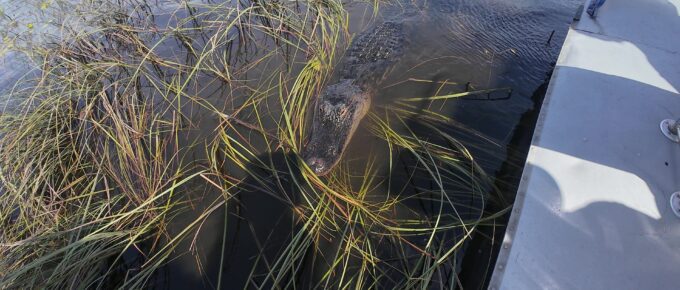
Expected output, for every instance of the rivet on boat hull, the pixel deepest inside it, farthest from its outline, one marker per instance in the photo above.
(675, 203)
(669, 128)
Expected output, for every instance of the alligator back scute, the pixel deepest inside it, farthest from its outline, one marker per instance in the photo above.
(372, 53)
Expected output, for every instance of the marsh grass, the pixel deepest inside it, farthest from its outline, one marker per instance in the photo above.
(108, 145)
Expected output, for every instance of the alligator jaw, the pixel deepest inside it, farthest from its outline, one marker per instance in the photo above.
(337, 115)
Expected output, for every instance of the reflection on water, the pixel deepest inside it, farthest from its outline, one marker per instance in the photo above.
(475, 44)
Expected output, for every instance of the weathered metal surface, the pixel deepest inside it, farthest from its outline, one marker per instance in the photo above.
(592, 210)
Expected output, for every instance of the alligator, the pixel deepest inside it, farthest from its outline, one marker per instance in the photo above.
(342, 105)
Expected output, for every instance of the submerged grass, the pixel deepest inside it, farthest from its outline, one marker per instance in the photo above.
(109, 144)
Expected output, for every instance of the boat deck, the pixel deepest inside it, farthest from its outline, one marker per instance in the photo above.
(593, 207)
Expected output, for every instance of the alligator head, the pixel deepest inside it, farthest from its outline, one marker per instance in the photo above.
(338, 112)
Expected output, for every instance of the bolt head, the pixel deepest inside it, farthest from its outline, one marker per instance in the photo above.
(675, 203)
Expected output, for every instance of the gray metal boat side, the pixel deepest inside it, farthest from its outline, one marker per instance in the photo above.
(592, 210)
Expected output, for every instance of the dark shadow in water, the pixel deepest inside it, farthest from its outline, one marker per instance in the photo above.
(258, 226)
(408, 174)
(481, 255)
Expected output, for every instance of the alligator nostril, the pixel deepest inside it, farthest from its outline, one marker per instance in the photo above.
(316, 164)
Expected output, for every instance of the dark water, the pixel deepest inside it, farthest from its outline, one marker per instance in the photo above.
(486, 43)
(480, 43)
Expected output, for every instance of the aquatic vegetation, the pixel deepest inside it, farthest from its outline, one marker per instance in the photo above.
(117, 137)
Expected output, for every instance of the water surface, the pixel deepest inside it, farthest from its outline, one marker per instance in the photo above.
(477, 44)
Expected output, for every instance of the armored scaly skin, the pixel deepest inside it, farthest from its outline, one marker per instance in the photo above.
(342, 105)
(372, 53)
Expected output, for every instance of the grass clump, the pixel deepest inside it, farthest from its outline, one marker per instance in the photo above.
(117, 136)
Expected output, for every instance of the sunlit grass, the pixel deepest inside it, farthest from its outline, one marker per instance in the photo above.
(108, 146)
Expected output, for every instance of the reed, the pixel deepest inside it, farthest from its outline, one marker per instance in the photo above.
(112, 141)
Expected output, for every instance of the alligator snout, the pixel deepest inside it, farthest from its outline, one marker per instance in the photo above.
(337, 114)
